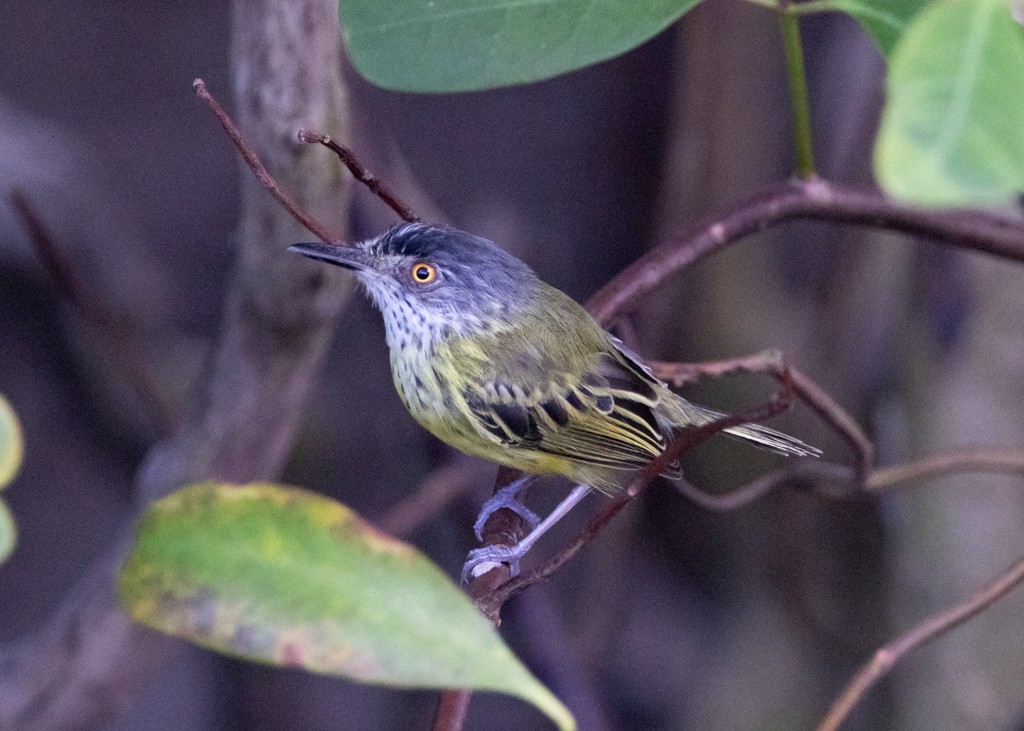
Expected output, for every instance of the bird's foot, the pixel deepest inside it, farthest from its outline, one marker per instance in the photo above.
(481, 560)
(508, 498)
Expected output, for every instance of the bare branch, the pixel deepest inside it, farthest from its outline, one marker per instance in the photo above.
(774, 363)
(261, 172)
(948, 463)
(96, 313)
(931, 628)
(808, 474)
(813, 199)
(360, 173)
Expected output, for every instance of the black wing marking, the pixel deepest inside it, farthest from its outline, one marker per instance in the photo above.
(607, 417)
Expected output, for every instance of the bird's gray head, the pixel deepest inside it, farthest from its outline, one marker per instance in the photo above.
(434, 277)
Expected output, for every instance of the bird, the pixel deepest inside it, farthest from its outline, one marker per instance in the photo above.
(501, 365)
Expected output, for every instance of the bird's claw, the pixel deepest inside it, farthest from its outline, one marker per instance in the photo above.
(481, 560)
(507, 498)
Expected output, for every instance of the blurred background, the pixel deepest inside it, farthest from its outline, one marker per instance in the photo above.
(675, 617)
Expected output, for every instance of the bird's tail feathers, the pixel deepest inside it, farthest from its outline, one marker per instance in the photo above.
(756, 434)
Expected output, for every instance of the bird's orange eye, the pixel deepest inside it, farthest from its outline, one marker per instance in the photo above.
(423, 273)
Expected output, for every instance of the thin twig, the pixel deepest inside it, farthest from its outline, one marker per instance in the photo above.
(813, 199)
(261, 173)
(95, 312)
(947, 463)
(932, 627)
(810, 474)
(773, 363)
(360, 173)
(838, 482)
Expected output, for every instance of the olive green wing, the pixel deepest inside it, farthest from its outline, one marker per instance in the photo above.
(603, 414)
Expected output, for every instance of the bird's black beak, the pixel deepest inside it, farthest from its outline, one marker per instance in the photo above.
(344, 256)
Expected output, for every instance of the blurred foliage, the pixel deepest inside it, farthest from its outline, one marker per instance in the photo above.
(11, 444)
(11, 451)
(8, 532)
(287, 577)
(953, 129)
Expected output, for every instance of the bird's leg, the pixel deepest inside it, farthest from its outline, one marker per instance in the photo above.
(507, 497)
(481, 560)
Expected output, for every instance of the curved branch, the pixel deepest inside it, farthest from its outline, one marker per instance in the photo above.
(773, 363)
(813, 199)
(947, 463)
(932, 627)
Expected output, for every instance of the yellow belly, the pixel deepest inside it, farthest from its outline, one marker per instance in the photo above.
(440, 408)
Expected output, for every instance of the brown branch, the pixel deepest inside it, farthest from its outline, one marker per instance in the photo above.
(95, 312)
(813, 199)
(260, 171)
(809, 199)
(929, 629)
(838, 482)
(947, 463)
(452, 706)
(808, 474)
(773, 363)
(361, 174)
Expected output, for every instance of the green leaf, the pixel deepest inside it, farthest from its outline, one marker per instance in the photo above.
(952, 131)
(884, 20)
(12, 446)
(287, 577)
(464, 45)
(8, 533)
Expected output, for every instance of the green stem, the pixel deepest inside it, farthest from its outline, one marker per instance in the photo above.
(798, 91)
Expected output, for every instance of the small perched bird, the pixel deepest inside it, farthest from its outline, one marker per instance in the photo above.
(503, 366)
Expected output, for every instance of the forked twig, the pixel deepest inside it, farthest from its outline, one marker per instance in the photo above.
(839, 482)
(261, 172)
(774, 363)
(361, 174)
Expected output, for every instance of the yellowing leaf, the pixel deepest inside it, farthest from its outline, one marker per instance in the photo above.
(287, 577)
